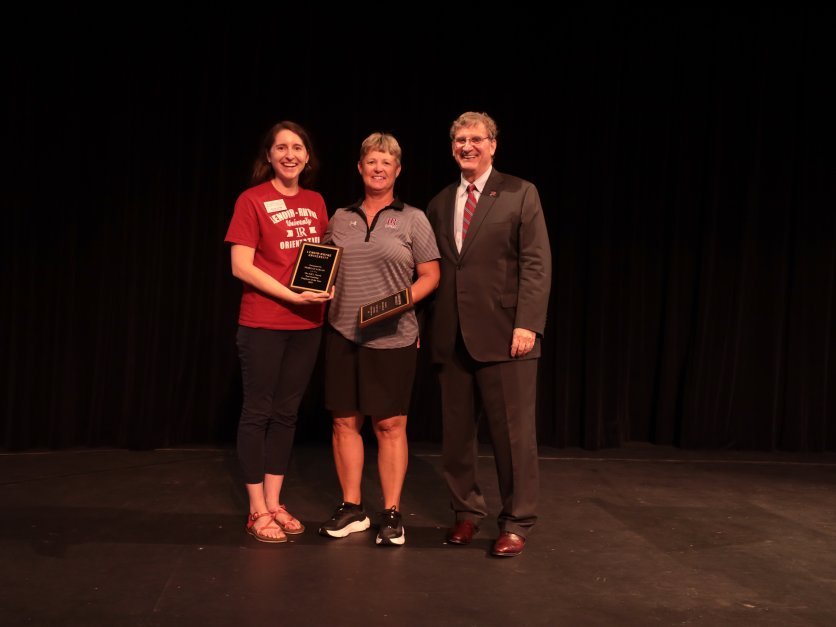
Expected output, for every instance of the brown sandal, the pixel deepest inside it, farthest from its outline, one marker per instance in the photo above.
(285, 525)
(256, 533)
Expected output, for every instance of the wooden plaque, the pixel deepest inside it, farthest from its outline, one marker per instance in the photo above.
(385, 307)
(316, 267)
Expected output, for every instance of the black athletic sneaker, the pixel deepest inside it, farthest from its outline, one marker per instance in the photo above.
(391, 529)
(348, 518)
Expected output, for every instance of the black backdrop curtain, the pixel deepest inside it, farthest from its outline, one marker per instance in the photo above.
(683, 159)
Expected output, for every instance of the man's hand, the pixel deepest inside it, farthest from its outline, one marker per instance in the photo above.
(523, 342)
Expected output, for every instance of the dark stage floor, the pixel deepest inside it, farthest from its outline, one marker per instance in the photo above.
(636, 536)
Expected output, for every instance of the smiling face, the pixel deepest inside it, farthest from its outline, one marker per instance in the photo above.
(288, 156)
(473, 150)
(379, 171)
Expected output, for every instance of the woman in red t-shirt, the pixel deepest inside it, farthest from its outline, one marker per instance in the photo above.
(279, 330)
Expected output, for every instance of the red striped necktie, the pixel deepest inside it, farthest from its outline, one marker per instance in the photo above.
(469, 208)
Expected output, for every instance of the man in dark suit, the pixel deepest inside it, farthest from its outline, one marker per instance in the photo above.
(488, 316)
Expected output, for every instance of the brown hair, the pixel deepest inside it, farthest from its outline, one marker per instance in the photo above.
(263, 171)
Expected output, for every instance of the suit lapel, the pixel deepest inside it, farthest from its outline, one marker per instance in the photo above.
(450, 226)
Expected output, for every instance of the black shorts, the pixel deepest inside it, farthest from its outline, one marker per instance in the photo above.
(371, 381)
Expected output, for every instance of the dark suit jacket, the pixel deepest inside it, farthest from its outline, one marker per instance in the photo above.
(502, 277)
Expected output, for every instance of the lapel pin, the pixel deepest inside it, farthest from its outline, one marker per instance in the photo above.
(492, 194)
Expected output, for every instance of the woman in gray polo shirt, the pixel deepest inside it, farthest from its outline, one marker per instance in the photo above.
(388, 246)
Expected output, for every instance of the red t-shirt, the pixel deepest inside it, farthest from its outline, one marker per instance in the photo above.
(275, 225)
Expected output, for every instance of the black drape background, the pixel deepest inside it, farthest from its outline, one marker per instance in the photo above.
(683, 159)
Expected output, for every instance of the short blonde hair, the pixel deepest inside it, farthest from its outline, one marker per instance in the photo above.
(382, 142)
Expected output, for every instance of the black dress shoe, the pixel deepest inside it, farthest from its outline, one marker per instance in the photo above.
(462, 533)
(508, 545)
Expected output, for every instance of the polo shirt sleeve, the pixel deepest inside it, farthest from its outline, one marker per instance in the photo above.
(424, 247)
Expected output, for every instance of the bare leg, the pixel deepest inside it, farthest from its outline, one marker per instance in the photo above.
(272, 491)
(273, 499)
(348, 454)
(391, 458)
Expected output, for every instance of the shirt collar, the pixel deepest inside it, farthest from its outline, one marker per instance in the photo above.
(480, 182)
(396, 204)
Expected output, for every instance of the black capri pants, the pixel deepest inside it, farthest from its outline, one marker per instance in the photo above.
(276, 366)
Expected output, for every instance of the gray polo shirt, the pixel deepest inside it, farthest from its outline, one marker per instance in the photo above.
(378, 261)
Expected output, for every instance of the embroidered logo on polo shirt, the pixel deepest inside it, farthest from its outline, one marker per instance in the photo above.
(392, 223)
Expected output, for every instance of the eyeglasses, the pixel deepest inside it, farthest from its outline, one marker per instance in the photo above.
(461, 142)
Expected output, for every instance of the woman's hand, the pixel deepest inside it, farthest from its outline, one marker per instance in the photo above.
(312, 298)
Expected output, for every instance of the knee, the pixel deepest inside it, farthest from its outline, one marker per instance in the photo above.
(256, 414)
(391, 429)
(343, 430)
(285, 420)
